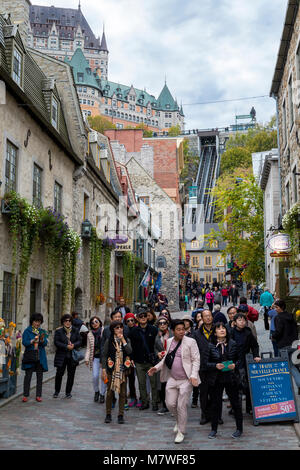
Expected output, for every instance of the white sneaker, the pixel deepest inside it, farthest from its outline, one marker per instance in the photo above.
(179, 437)
(175, 428)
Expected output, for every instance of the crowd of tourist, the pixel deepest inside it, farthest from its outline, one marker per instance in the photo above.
(149, 359)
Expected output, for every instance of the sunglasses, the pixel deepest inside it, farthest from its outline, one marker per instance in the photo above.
(163, 323)
(67, 320)
(143, 315)
(118, 328)
(130, 319)
(94, 321)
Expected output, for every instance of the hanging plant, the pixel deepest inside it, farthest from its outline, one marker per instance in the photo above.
(95, 264)
(28, 226)
(23, 226)
(291, 225)
(128, 262)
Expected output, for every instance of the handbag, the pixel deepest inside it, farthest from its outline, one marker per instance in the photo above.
(171, 356)
(77, 356)
(30, 356)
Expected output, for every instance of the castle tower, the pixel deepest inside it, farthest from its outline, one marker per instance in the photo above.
(104, 57)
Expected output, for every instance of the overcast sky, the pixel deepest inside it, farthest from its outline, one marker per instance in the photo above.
(208, 49)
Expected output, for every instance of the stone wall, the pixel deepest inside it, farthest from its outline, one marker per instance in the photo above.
(290, 146)
(167, 246)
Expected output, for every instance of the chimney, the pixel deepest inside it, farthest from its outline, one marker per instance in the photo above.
(19, 15)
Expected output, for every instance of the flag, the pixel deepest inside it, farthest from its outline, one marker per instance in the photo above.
(146, 279)
(158, 282)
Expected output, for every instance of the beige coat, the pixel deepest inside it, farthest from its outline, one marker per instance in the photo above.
(190, 360)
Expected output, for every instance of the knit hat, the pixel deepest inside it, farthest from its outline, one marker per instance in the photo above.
(163, 317)
(129, 315)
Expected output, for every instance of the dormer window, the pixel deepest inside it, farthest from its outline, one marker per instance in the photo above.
(54, 112)
(17, 66)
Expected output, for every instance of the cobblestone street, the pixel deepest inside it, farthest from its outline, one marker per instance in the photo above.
(78, 423)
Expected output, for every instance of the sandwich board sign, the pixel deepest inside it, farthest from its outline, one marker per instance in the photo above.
(271, 389)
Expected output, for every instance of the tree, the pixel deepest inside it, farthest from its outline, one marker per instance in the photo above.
(174, 131)
(240, 147)
(239, 207)
(191, 162)
(100, 123)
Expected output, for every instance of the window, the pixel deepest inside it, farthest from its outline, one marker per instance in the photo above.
(287, 196)
(291, 105)
(220, 277)
(284, 137)
(17, 66)
(58, 197)
(86, 201)
(208, 278)
(207, 261)
(195, 244)
(79, 77)
(11, 168)
(54, 113)
(220, 261)
(37, 186)
(7, 298)
(145, 199)
(295, 184)
(195, 261)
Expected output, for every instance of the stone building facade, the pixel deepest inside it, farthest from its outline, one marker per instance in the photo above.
(38, 162)
(285, 90)
(166, 215)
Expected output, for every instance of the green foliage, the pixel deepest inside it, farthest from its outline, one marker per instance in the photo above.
(191, 162)
(95, 264)
(174, 131)
(239, 208)
(28, 226)
(128, 262)
(100, 123)
(240, 147)
(291, 227)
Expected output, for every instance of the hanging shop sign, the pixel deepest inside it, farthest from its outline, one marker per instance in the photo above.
(280, 243)
(124, 246)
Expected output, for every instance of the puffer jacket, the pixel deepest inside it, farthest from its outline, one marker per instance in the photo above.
(213, 356)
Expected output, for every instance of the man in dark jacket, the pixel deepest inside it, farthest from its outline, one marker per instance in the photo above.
(234, 294)
(286, 331)
(218, 316)
(203, 336)
(142, 341)
(246, 343)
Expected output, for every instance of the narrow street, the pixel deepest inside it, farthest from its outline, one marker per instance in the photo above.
(61, 424)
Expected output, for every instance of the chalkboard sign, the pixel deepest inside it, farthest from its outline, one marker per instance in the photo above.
(271, 390)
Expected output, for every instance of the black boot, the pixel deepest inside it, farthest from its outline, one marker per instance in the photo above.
(96, 396)
(108, 419)
(102, 398)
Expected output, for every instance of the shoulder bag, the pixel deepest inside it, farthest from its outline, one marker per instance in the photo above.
(171, 356)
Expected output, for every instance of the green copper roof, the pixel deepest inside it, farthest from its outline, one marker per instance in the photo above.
(166, 100)
(82, 72)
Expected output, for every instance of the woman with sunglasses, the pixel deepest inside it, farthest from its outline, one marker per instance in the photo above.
(116, 363)
(66, 338)
(130, 322)
(160, 346)
(92, 356)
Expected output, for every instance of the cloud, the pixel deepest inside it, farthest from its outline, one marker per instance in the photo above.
(209, 50)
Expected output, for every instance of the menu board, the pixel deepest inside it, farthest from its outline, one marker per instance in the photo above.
(271, 390)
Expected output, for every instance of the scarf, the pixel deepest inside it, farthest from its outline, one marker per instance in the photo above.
(223, 344)
(68, 332)
(118, 376)
(206, 332)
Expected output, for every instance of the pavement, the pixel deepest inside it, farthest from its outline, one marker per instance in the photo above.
(78, 423)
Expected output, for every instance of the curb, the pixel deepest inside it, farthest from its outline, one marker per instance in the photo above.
(32, 387)
(297, 430)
